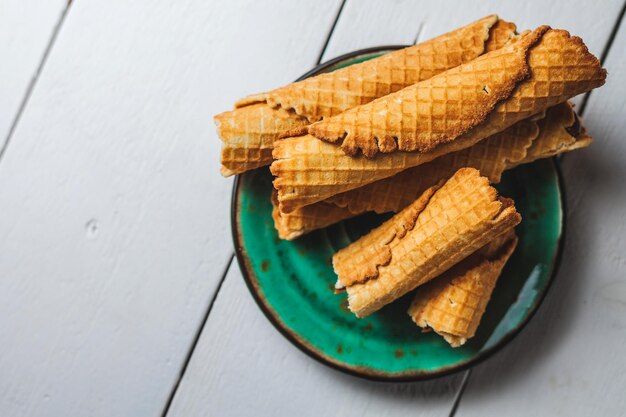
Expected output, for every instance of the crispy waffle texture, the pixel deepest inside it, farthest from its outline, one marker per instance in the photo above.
(453, 304)
(558, 132)
(329, 94)
(472, 101)
(306, 219)
(309, 170)
(443, 114)
(422, 241)
(248, 136)
(248, 132)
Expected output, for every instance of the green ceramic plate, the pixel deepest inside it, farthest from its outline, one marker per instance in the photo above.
(293, 281)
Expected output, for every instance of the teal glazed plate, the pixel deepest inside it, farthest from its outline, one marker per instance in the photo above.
(293, 281)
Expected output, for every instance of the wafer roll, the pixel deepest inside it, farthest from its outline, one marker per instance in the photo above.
(549, 67)
(250, 130)
(558, 132)
(329, 94)
(306, 219)
(490, 157)
(453, 303)
(442, 227)
(472, 101)
(248, 136)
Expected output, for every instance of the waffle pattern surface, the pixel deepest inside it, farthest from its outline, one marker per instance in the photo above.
(329, 94)
(249, 131)
(475, 100)
(459, 218)
(248, 136)
(453, 304)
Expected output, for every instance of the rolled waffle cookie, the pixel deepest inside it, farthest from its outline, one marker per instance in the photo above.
(250, 130)
(558, 132)
(558, 66)
(490, 157)
(248, 136)
(453, 303)
(443, 226)
(306, 219)
(472, 101)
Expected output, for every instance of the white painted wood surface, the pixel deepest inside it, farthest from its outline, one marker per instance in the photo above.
(366, 23)
(570, 361)
(115, 221)
(25, 28)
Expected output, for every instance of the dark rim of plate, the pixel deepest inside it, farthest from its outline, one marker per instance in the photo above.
(362, 372)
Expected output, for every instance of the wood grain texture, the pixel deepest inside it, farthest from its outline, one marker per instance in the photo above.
(25, 29)
(243, 366)
(570, 360)
(115, 221)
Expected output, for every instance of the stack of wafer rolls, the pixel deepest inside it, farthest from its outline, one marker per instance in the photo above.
(556, 131)
(248, 132)
(422, 132)
(449, 112)
(444, 225)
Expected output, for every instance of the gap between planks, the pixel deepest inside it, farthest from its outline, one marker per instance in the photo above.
(605, 52)
(196, 337)
(603, 57)
(33, 81)
(229, 264)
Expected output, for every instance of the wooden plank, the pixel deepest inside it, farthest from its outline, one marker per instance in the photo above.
(25, 29)
(569, 361)
(366, 23)
(243, 366)
(115, 221)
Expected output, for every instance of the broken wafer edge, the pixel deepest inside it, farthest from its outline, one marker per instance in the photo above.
(248, 136)
(475, 100)
(248, 132)
(328, 94)
(432, 117)
(557, 132)
(453, 303)
(446, 224)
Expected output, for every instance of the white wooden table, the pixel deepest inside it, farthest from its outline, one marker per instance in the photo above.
(118, 296)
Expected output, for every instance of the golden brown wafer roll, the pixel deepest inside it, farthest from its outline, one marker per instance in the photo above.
(329, 94)
(472, 101)
(490, 157)
(248, 136)
(305, 219)
(250, 130)
(549, 67)
(453, 303)
(442, 227)
(309, 170)
(559, 132)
